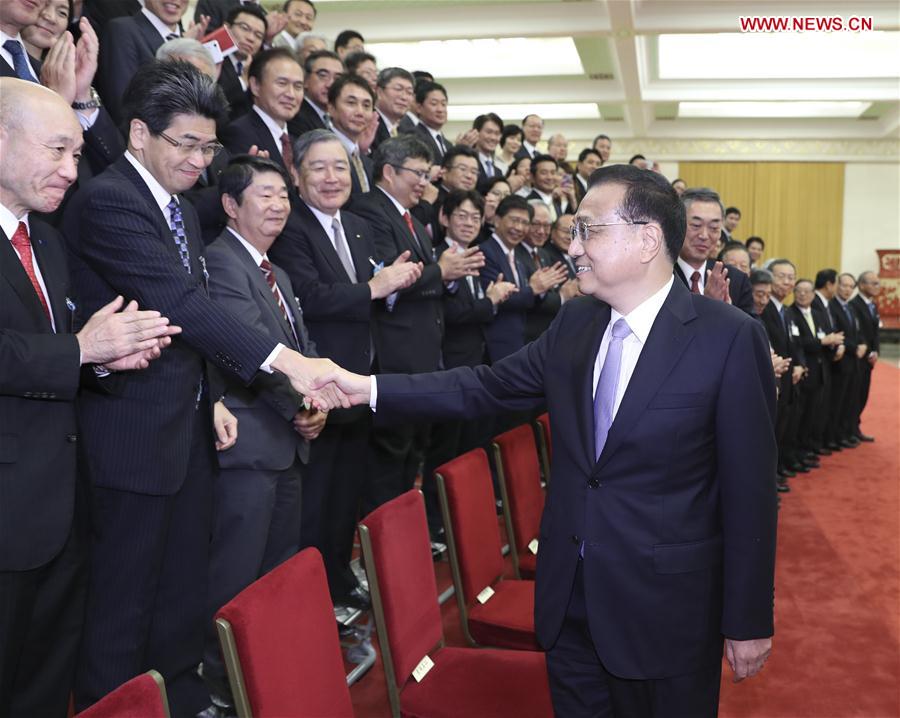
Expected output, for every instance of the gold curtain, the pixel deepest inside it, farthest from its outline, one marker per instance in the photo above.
(796, 207)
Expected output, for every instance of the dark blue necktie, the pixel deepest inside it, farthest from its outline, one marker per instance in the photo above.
(177, 226)
(784, 320)
(20, 60)
(873, 310)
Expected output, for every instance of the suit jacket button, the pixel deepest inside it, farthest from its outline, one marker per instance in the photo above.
(71, 438)
(576, 539)
(594, 484)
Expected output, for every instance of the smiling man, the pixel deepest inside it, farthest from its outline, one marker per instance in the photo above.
(658, 535)
(248, 26)
(351, 103)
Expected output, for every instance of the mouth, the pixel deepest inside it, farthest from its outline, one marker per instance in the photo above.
(582, 269)
(172, 8)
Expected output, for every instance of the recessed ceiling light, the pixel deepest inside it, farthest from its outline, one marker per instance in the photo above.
(720, 56)
(772, 109)
(513, 114)
(505, 57)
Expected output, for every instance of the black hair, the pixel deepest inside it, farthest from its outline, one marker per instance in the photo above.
(825, 276)
(339, 84)
(355, 59)
(512, 202)
(239, 173)
(318, 55)
(600, 137)
(258, 66)
(729, 246)
(511, 131)
(482, 120)
(538, 159)
(493, 182)
(455, 198)
(248, 9)
(732, 210)
(287, 4)
(398, 149)
(457, 151)
(758, 240)
(420, 75)
(583, 155)
(392, 73)
(426, 87)
(514, 165)
(345, 37)
(637, 157)
(160, 90)
(648, 197)
(761, 276)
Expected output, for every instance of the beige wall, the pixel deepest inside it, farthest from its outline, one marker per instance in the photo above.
(871, 213)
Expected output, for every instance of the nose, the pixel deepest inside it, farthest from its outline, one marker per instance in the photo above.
(575, 248)
(68, 170)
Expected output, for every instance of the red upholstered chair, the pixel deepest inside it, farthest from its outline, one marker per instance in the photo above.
(461, 681)
(281, 646)
(523, 499)
(494, 612)
(545, 447)
(144, 696)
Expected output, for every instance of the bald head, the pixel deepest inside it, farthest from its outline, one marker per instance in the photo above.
(40, 142)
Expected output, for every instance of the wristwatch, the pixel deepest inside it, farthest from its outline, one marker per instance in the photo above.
(91, 104)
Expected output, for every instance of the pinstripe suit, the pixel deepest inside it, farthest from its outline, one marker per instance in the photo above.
(150, 447)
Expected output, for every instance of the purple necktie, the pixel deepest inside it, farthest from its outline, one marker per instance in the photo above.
(605, 397)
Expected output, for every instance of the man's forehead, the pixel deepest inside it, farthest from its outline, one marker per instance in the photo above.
(705, 210)
(195, 125)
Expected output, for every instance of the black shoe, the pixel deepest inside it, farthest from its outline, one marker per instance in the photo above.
(824, 452)
(356, 598)
(781, 487)
(798, 467)
(785, 473)
(810, 463)
(864, 437)
(848, 443)
(835, 446)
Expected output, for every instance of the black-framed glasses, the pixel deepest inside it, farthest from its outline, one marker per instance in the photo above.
(420, 174)
(255, 33)
(581, 230)
(210, 149)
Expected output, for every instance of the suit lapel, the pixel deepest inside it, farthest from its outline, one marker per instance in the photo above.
(400, 224)
(357, 250)
(584, 348)
(668, 339)
(15, 275)
(265, 137)
(54, 277)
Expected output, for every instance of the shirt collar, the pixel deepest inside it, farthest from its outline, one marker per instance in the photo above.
(276, 130)
(159, 25)
(506, 250)
(822, 297)
(384, 118)
(778, 304)
(547, 198)
(325, 219)
(349, 144)
(485, 158)
(17, 38)
(454, 244)
(640, 319)
(689, 270)
(530, 147)
(9, 223)
(160, 195)
(400, 208)
(254, 252)
(582, 180)
(321, 113)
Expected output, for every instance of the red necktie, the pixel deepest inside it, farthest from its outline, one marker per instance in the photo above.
(695, 283)
(287, 150)
(22, 244)
(408, 219)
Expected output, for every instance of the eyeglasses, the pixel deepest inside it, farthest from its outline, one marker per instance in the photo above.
(464, 170)
(210, 150)
(420, 174)
(542, 225)
(581, 230)
(246, 28)
(473, 217)
(518, 222)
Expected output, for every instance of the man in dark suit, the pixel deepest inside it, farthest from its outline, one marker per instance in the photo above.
(701, 275)
(100, 12)
(129, 42)
(150, 449)
(43, 561)
(588, 161)
(490, 129)
(847, 371)
(409, 326)
(459, 171)
(545, 186)
(814, 343)
(431, 109)
(217, 11)
(257, 495)
(320, 70)
(863, 304)
(328, 254)
(824, 428)
(658, 536)
(560, 239)
(276, 85)
(351, 103)
(247, 25)
(506, 334)
(532, 129)
(394, 97)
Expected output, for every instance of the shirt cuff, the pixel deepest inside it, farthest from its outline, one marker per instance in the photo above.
(87, 122)
(373, 393)
(266, 366)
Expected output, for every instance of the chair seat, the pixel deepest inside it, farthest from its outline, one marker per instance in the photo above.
(507, 619)
(480, 682)
(527, 564)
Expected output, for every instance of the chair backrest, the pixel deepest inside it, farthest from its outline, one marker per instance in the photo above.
(400, 569)
(520, 474)
(144, 696)
(470, 521)
(545, 446)
(281, 646)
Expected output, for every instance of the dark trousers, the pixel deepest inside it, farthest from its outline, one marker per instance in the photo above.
(256, 526)
(339, 462)
(396, 455)
(841, 382)
(865, 381)
(41, 616)
(147, 596)
(812, 405)
(581, 687)
(783, 410)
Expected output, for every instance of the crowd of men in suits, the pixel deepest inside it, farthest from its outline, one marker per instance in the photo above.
(286, 203)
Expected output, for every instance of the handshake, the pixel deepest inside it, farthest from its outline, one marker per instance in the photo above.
(326, 385)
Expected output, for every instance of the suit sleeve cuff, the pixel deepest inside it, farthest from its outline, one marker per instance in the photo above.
(373, 393)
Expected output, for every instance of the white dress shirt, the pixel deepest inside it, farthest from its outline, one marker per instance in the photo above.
(9, 223)
(272, 125)
(640, 321)
(386, 120)
(688, 270)
(9, 59)
(160, 26)
(530, 148)
(240, 76)
(326, 220)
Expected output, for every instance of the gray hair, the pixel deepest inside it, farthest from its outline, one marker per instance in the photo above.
(701, 194)
(397, 150)
(304, 36)
(183, 48)
(308, 139)
(761, 276)
(539, 203)
(392, 73)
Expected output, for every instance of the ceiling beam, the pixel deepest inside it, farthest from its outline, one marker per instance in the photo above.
(532, 89)
(628, 61)
(866, 90)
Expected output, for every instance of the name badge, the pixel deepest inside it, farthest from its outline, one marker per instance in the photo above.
(795, 330)
(533, 546)
(820, 334)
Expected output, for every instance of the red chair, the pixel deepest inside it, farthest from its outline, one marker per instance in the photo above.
(281, 647)
(494, 612)
(516, 459)
(144, 696)
(461, 681)
(545, 447)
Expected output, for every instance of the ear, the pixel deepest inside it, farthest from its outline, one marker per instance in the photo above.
(443, 219)
(295, 175)
(652, 242)
(138, 134)
(230, 206)
(254, 87)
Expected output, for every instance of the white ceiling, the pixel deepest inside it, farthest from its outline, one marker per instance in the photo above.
(623, 67)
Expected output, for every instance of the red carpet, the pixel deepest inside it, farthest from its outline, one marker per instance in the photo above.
(837, 644)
